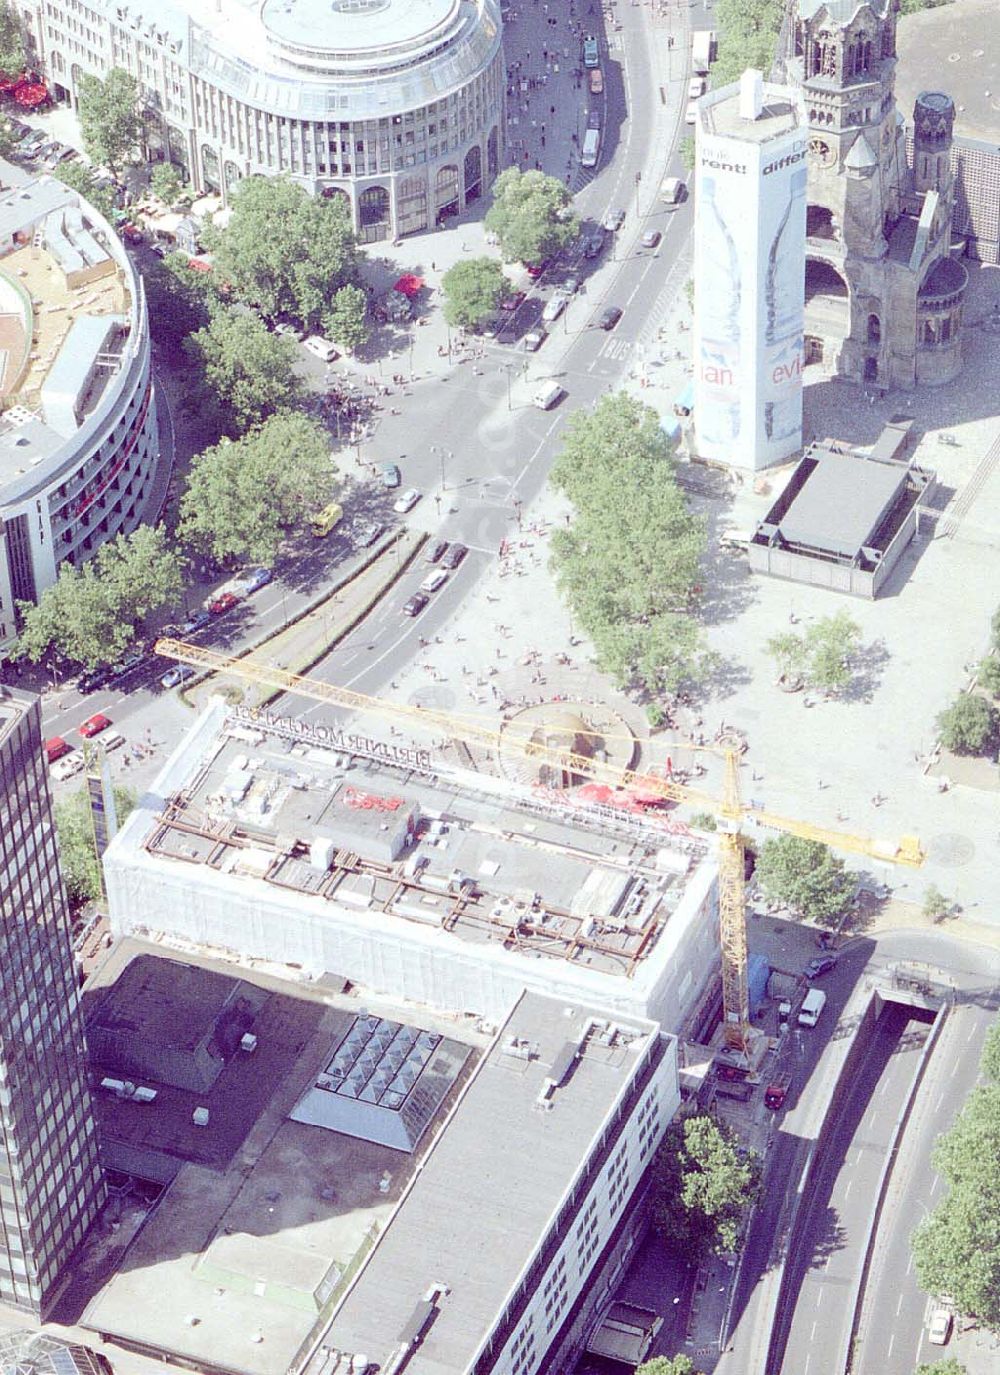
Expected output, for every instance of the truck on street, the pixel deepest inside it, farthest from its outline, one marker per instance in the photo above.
(702, 43)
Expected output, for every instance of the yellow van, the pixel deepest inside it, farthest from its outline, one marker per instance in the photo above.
(324, 521)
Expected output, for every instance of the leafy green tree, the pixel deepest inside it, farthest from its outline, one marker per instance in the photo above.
(686, 151)
(242, 498)
(628, 565)
(989, 1061)
(951, 1365)
(177, 302)
(704, 821)
(789, 651)
(165, 182)
(13, 56)
(8, 141)
(346, 321)
(821, 656)
(90, 615)
(78, 860)
(804, 875)
(936, 906)
(247, 371)
(472, 290)
(667, 1365)
(532, 215)
(956, 1250)
(995, 629)
(283, 251)
(989, 674)
(701, 1187)
(110, 118)
(83, 181)
(747, 37)
(913, 7)
(968, 726)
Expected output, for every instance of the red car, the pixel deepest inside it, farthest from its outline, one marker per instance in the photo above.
(222, 604)
(131, 233)
(535, 270)
(55, 748)
(93, 725)
(512, 302)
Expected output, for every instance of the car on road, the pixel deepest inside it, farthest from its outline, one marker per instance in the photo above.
(614, 220)
(196, 622)
(591, 51)
(256, 578)
(55, 748)
(534, 339)
(390, 474)
(691, 113)
(324, 521)
(436, 551)
(369, 533)
(512, 302)
(672, 191)
(66, 767)
(593, 244)
(219, 605)
(696, 87)
(939, 1325)
(289, 331)
(94, 679)
(415, 604)
(93, 725)
(61, 152)
(456, 553)
(822, 964)
(32, 142)
(131, 233)
(651, 238)
(608, 318)
(406, 501)
(535, 270)
(434, 580)
(572, 284)
(555, 306)
(125, 666)
(180, 673)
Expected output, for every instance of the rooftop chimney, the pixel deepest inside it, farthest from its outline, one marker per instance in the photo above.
(751, 94)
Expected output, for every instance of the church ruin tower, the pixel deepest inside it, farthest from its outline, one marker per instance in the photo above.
(874, 235)
(933, 123)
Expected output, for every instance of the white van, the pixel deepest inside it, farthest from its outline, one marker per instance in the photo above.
(812, 1005)
(547, 396)
(322, 348)
(671, 190)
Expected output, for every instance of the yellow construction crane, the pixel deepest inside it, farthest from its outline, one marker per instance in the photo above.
(729, 809)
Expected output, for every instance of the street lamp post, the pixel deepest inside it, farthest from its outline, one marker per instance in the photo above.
(505, 368)
(638, 179)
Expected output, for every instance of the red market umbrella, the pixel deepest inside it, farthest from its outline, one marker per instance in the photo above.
(409, 284)
(30, 94)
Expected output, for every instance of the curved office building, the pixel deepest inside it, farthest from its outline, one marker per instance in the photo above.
(398, 105)
(78, 436)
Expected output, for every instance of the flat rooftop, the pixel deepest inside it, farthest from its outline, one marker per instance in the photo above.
(721, 115)
(232, 1267)
(953, 49)
(842, 502)
(498, 1147)
(478, 860)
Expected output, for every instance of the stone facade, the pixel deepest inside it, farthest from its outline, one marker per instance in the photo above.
(883, 294)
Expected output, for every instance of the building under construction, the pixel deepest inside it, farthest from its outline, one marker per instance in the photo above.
(388, 868)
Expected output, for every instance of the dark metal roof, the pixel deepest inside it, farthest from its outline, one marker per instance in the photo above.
(841, 503)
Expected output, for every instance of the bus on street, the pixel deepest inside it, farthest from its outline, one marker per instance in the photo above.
(591, 148)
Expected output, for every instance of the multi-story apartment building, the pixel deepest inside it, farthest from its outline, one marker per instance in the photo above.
(51, 1186)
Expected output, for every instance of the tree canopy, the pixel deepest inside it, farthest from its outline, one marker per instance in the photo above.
(91, 614)
(822, 655)
(247, 371)
(83, 181)
(472, 290)
(806, 875)
(12, 50)
(628, 564)
(701, 1188)
(989, 1061)
(283, 251)
(969, 725)
(346, 320)
(110, 119)
(81, 869)
(532, 215)
(747, 37)
(242, 498)
(989, 674)
(176, 300)
(956, 1250)
(165, 183)
(667, 1365)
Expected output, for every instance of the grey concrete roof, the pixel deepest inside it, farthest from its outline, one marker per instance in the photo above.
(953, 48)
(841, 503)
(497, 1147)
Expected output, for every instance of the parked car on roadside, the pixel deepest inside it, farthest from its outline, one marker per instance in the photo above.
(434, 580)
(66, 767)
(180, 673)
(435, 551)
(415, 604)
(218, 606)
(454, 555)
(391, 476)
(256, 578)
(407, 501)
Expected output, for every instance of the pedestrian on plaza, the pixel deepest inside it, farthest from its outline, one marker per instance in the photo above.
(433, 265)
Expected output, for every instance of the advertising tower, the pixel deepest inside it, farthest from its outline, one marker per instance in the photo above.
(750, 227)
